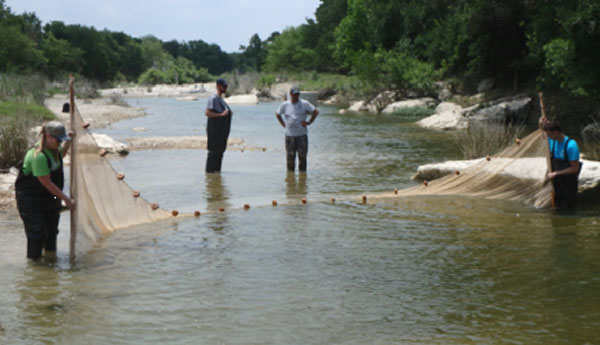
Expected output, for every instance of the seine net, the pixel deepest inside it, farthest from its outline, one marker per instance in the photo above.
(516, 173)
(104, 201)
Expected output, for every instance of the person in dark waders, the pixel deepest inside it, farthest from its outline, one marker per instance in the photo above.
(564, 157)
(38, 190)
(217, 127)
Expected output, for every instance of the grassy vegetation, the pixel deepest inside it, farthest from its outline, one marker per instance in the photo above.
(487, 138)
(21, 99)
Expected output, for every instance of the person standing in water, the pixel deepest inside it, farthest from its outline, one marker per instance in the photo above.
(38, 189)
(217, 127)
(564, 158)
(291, 114)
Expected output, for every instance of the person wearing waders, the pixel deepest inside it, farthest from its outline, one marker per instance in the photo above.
(38, 190)
(564, 158)
(291, 114)
(217, 127)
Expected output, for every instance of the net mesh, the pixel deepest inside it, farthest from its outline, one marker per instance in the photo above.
(104, 202)
(516, 173)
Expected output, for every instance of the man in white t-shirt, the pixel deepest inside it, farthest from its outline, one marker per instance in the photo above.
(291, 115)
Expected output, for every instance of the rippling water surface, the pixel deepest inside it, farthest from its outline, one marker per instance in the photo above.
(435, 270)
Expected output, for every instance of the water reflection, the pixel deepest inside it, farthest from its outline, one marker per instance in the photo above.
(295, 186)
(42, 302)
(217, 200)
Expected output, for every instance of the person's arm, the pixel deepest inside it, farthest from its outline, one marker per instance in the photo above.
(313, 116)
(573, 169)
(212, 114)
(67, 145)
(54, 190)
(280, 120)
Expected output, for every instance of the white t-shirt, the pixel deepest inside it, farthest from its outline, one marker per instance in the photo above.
(293, 115)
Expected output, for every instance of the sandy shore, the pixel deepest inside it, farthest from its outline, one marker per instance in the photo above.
(98, 112)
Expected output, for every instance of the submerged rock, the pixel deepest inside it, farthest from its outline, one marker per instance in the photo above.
(110, 145)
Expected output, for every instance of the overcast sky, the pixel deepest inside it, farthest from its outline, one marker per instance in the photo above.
(227, 23)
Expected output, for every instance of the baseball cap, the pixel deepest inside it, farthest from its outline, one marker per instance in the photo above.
(222, 81)
(57, 130)
(295, 90)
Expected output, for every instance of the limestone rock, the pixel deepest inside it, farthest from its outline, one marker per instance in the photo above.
(409, 103)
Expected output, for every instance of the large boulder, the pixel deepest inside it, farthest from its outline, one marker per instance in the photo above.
(409, 103)
(508, 111)
(448, 116)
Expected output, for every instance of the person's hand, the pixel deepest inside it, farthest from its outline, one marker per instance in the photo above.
(70, 203)
(225, 112)
(305, 123)
(551, 175)
(542, 122)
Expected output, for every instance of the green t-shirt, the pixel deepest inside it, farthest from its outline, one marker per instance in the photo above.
(38, 164)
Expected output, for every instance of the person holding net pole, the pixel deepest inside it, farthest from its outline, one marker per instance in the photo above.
(38, 189)
(565, 164)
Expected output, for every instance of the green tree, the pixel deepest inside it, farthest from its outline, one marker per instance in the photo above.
(286, 52)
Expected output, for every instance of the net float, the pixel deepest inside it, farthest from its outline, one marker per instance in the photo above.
(174, 213)
(333, 200)
(242, 150)
(135, 194)
(102, 152)
(264, 149)
(274, 202)
(518, 141)
(154, 206)
(396, 191)
(120, 176)
(425, 183)
(457, 172)
(86, 125)
(221, 209)
(196, 213)
(364, 199)
(488, 158)
(246, 206)
(304, 200)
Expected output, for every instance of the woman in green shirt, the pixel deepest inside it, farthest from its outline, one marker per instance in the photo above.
(39, 187)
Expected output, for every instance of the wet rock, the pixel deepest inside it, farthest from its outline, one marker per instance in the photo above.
(110, 145)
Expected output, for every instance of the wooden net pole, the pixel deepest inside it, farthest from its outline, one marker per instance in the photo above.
(72, 174)
(547, 149)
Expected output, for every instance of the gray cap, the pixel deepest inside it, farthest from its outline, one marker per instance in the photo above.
(295, 90)
(57, 130)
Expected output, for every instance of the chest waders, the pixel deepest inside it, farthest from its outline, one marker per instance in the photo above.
(39, 209)
(565, 186)
(217, 131)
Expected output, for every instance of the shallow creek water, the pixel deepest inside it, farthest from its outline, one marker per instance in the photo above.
(435, 270)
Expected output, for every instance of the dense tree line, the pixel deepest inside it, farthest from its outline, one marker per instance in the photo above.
(397, 44)
(406, 44)
(55, 49)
